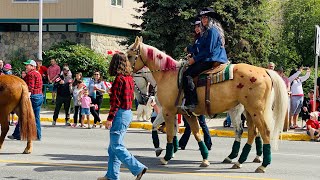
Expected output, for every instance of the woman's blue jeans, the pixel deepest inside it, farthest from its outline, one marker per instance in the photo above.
(117, 151)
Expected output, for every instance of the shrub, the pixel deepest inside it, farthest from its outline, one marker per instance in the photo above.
(16, 60)
(80, 58)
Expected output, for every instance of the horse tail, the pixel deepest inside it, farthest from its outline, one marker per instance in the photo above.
(279, 106)
(27, 119)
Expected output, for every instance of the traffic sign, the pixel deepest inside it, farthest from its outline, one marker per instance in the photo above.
(317, 48)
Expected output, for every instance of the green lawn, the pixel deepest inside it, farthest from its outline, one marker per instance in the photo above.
(104, 108)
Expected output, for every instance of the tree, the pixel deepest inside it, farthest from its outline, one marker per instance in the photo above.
(166, 25)
(300, 18)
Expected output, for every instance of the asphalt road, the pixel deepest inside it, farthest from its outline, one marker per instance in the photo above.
(71, 153)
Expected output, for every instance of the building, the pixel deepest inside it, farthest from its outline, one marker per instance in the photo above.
(99, 24)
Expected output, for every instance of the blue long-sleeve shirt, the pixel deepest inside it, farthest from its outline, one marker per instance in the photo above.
(210, 47)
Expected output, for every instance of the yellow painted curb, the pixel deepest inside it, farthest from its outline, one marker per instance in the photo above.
(213, 132)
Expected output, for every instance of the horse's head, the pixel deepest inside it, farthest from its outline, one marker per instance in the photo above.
(134, 55)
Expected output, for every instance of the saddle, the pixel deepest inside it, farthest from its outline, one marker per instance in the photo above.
(218, 73)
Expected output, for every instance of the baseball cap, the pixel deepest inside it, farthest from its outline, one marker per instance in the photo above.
(31, 62)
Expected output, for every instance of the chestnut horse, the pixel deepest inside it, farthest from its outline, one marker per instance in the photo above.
(262, 93)
(14, 95)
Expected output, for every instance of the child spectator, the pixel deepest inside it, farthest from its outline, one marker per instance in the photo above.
(313, 127)
(23, 74)
(77, 87)
(85, 107)
(76, 90)
(7, 69)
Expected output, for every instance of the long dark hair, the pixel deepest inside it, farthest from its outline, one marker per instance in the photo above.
(120, 65)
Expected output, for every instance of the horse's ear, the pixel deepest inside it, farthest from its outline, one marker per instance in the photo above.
(141, 39)
(137, 40)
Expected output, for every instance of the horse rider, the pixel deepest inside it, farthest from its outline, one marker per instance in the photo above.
(211, 53)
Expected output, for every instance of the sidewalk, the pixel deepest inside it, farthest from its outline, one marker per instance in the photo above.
(215, 126)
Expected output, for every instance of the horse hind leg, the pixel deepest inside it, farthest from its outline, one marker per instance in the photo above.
(4, 127)
(247, 147)
(258, 143)
(235, 115)
(194, 126)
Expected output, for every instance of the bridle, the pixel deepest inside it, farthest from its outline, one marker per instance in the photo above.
(138, 55)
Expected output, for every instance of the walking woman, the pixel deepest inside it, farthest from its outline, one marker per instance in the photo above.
(119, 119)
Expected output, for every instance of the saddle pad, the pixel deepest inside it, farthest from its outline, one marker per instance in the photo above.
(224, 75)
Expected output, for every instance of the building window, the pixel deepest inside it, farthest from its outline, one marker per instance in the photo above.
(116, 3)
(49, 27)
(34, 1)
(72, 27)
(35, 27)
(57, 27)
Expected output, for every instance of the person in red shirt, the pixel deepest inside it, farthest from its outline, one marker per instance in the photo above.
(313, 127)
(43, 71)
(119, 119)
(34, 82)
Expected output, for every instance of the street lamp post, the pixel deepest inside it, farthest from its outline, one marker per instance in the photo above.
(40, 29)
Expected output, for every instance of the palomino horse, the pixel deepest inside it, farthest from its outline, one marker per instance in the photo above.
(144, 76)
(14, 95)
(257, 89)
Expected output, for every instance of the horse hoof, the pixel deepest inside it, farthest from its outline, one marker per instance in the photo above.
(205, 163)
(163, 161)
(227, 160)
(260, 169)
(236, 165)
(158, 152)
(257, 160)
(26, 151)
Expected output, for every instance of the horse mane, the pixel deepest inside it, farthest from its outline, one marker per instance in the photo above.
(163, 61)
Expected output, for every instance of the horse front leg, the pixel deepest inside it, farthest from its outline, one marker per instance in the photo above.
(155, 137)
(247, 147)
(194, 126)
(235, 115)
(169, 120)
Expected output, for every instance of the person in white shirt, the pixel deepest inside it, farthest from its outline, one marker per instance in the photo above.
(297, 94)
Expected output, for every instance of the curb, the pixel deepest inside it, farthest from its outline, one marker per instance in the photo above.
(213, 132)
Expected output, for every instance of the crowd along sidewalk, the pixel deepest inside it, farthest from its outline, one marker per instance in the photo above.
(215, 126)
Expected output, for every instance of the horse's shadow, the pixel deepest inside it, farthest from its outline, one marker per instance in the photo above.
(80, 163)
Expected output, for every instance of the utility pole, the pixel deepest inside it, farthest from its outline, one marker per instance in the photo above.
(40, 29)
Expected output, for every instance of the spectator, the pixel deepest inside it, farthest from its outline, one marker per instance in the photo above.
(53, 74)
(313, 127)
(77, 87)
(96, 90)
(34, 82)
(23, 75)
(307, 107)
(69, 73)
(297, 95)
(43, 70)
(85, 107)
(271, 66)
(284, 77)
(64, 85)
(1, 66)
(7, 69)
